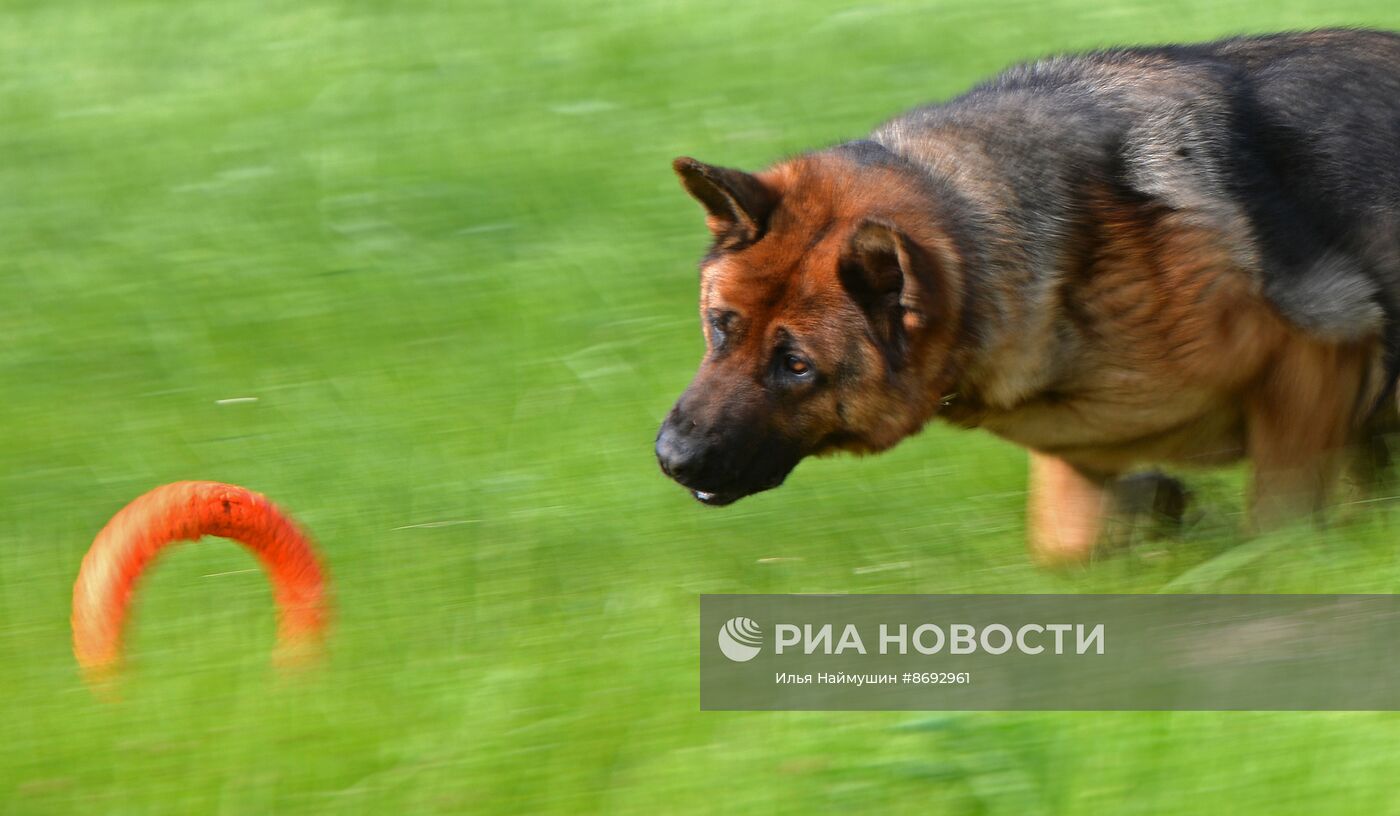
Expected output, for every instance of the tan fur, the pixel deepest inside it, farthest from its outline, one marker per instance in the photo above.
(1178, 358)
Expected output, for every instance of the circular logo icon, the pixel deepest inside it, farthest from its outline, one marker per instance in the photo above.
(740, 639)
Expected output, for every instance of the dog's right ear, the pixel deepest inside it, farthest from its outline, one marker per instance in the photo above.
(737, 205)
(893, 280)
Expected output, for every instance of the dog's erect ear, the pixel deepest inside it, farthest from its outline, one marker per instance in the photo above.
(737, 204)
(892, 279)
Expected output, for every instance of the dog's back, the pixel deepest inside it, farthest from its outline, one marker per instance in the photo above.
(1287, 145)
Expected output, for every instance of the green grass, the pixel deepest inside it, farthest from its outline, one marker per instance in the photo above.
(441, 244)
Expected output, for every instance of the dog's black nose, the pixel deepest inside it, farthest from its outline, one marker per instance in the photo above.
(679, 456)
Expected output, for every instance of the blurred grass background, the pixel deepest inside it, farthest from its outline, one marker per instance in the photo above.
(441, 245)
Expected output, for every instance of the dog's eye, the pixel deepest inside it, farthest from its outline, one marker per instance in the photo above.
(797, 366)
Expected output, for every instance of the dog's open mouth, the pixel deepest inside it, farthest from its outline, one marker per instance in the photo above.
(714, 499)
(731, 496)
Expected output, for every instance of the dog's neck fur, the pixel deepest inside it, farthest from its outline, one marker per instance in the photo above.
(1010, 287)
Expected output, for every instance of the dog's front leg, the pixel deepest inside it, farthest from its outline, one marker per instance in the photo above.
(1066, 511)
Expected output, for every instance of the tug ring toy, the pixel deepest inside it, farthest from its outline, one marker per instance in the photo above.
(187, 511)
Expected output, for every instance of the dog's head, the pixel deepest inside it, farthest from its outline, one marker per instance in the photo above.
(829, 302)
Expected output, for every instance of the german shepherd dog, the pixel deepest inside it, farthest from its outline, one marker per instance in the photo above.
(1180, 255)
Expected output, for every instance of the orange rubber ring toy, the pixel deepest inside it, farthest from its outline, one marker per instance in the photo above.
(187, 511)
